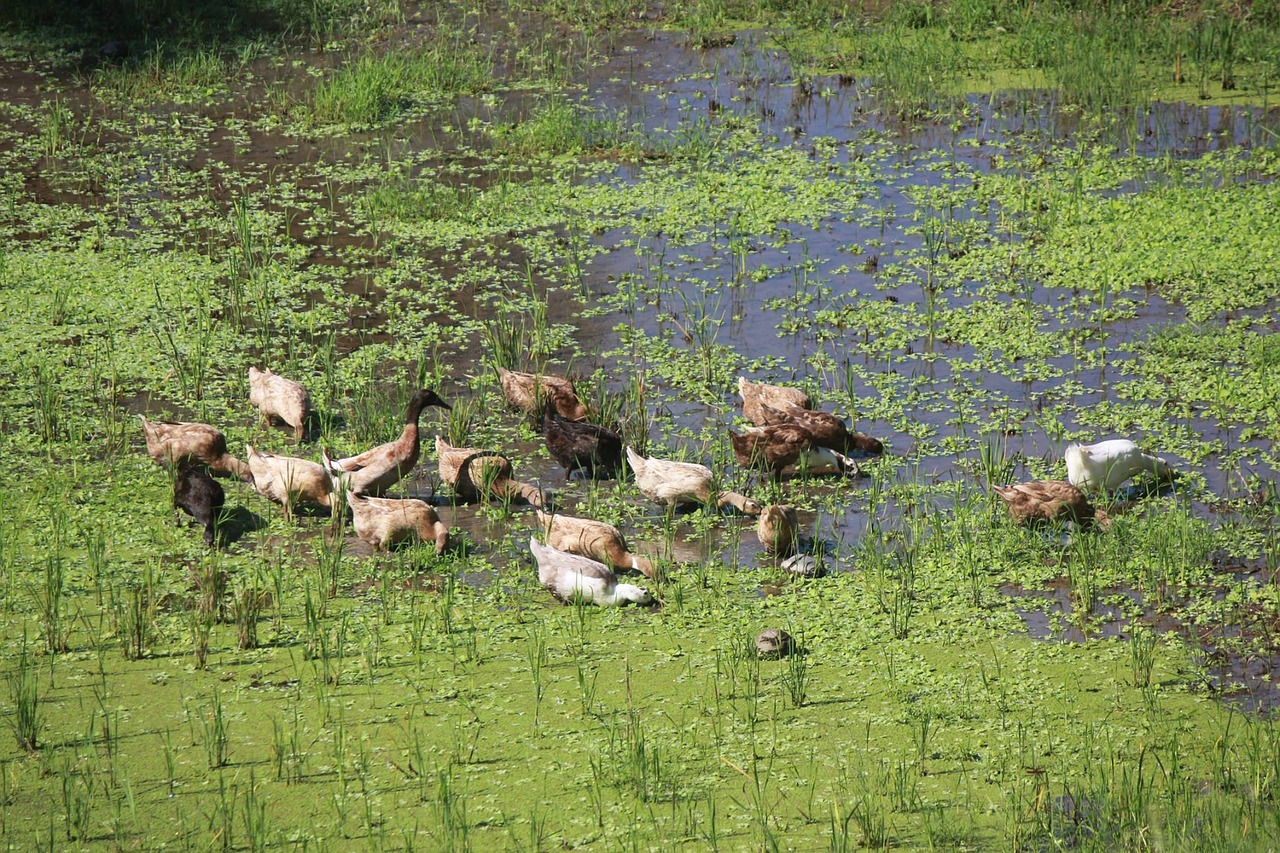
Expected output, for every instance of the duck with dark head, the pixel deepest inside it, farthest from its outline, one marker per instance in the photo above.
(380, 468)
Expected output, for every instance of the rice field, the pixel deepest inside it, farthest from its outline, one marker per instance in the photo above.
(978, 232)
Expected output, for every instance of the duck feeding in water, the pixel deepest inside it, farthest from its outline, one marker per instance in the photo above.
(827, 429)
(758, 395)
(281, 399)
(175, 442)
(384, 522)
(790, 445)
(778, 529)
(290, 481)
(481, 475)
(536, 393)
(678, 483)
(199, 496)
(595, 539)
(574, 578)
(1049, 501)
(1108, 464)
(583, 448)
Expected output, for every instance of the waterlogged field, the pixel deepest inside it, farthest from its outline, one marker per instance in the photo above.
(974, 234)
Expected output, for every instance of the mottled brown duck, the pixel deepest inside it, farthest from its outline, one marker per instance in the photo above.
(173, 442)
(1048, 501)
(536, 393)
(594, 539)
(481, 475)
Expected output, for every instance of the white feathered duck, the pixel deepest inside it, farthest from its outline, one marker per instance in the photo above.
(1108, 464)
(574, 578)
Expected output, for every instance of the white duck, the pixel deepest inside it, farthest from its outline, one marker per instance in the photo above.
(1107, 464)
(574, 578)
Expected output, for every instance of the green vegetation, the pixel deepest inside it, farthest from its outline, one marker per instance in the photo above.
(975, 280)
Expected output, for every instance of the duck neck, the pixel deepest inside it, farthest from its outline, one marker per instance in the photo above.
(738, 501)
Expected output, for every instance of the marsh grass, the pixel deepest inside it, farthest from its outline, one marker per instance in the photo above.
(49, 402)
(27, 720)
(795, 675)
(914, 75)
(56, 128)
(135, 611)
(55, 628)
(214, 726)
(536, 657)
(558, 127)
(374, 88)
(248, 600)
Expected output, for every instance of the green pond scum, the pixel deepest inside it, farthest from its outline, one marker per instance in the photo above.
(978, 231)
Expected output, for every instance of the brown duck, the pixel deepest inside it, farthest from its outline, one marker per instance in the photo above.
(773, 448)
(479, 475)
(384, 522)
(535, 394)
(593, 539)
(827, 429)
(376, 470)
(778, 529)
(172, 443)
(583, 448)
(757, 394)
(1047, 501)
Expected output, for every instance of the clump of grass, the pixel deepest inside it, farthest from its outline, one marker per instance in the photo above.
(376, 88)
(48, 598)
(24, 692)
(913, 74)
(55, 128)
(427, 201)
(247, 604)
(135, 617)
(559, 127)
(217, 741)
(163, 67)
(796, 674)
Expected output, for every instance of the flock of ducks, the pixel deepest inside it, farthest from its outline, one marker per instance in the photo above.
(580, 557)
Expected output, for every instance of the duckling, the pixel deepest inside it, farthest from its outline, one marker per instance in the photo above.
(574, 578)
(171, 443)
(376, 470)
(774, 448)
(199, 496)
(384, 522)
(477, 475)
(531, 394)
(1107, 464)
(579, 446)
(280, 398)
(757, 394)
(290, 481)
(827, 429)
(1049, 501)
(593, 539)
(676, 483)
(778, 529)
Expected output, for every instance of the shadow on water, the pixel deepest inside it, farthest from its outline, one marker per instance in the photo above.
(237, 522)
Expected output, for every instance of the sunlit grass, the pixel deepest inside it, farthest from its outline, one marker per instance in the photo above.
(376, 87)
